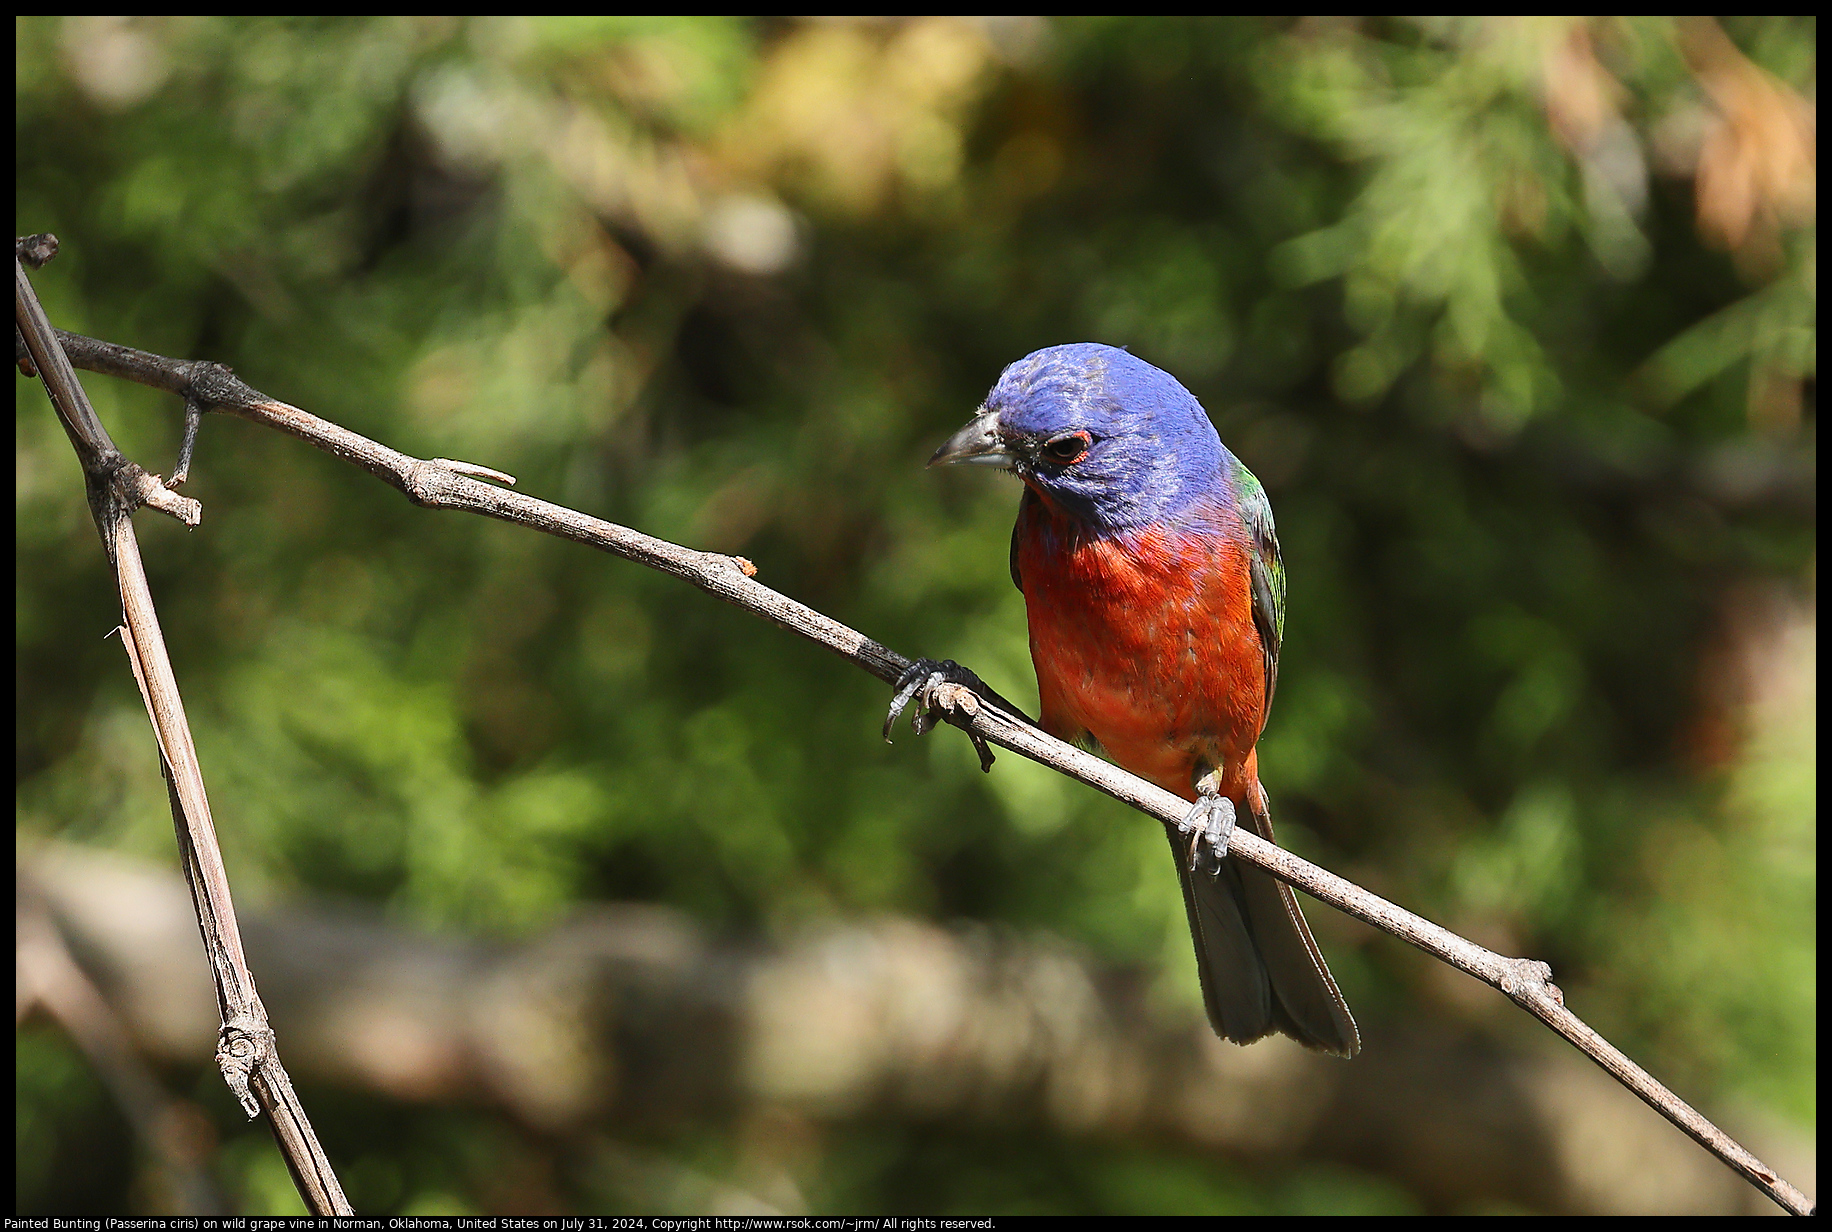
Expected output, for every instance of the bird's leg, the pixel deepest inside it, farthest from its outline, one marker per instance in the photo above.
(1210, 821)
(939, 688)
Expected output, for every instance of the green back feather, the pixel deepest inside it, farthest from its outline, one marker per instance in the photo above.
(1268, 572)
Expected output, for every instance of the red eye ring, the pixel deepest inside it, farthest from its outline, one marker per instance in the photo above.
(1066, 449)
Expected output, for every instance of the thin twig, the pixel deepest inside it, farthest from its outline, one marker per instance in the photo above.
(116, 487)
(436, 485)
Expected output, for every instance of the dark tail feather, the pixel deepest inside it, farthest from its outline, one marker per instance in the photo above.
(1261, 969)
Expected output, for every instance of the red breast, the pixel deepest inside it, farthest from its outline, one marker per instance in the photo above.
(1146, 641)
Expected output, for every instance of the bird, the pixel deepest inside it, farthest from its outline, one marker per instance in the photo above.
(1155, 593)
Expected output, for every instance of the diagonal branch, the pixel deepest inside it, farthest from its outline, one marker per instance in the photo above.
(116, 487)
(437, 484)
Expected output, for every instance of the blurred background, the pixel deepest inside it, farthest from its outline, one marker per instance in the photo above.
(572, 889)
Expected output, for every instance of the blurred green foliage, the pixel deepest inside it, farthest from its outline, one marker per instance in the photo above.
(1514, 318)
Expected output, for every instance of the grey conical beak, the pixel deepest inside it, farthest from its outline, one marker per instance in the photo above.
(977, 444)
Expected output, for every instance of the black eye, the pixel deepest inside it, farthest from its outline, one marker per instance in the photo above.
(1067, 449)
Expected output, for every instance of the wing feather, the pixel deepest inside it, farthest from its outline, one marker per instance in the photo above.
(1268, 572)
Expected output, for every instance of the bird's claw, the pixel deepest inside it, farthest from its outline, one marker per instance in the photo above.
(1209, 823)
(939, 688)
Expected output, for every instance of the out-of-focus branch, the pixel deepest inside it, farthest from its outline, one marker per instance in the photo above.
(629, 1017)
(173, 1133)
(437, 484)
(116, 487)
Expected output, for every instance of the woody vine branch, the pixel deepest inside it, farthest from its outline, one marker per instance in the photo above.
(445, 484)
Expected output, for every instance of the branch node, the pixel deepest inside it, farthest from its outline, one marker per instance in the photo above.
(744, 566)
(214, 384)
(1525, 976)
(244, 1045)
(35, 250)
(953, 697)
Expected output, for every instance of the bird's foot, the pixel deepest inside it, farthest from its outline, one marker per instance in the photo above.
(1209, 824)
(941, 689)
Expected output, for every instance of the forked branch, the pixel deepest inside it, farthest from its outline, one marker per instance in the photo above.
(116, 487)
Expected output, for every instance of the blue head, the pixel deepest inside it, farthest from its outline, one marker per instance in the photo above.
(1099, 433)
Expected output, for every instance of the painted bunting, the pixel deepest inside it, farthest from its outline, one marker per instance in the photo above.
(1156, 596)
